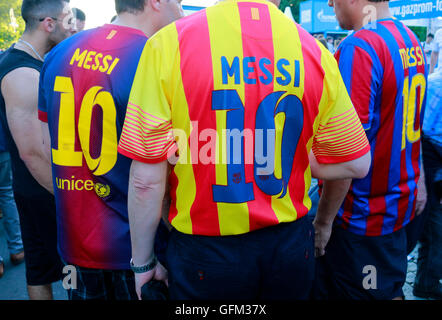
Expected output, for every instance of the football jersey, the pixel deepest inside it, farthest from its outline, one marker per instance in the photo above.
(384, 69)
(239, 94)
(84, 90)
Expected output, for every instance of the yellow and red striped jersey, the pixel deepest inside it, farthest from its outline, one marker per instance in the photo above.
(241, 94)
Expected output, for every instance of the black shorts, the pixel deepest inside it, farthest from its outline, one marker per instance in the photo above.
(362, 268)
(39, 234)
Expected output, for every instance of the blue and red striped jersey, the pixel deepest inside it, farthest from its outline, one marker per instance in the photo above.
(84, 89)
(384, 69)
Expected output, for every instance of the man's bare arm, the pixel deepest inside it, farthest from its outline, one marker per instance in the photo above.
(22, 116)
(421, 199)
(433, 61)
(337, 179)
(333, 194)
(355, 169)
(147, 185)
(46, 141)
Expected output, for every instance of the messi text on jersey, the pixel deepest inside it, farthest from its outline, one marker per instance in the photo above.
(95, 61)
(287, 72)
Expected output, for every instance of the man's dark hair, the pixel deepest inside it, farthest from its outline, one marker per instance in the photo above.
(430, 35)
(79, 14)
(130, 6)
(33, 11)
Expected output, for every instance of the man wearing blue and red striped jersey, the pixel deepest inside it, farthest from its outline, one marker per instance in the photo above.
(384, 69)
(235, 88)
(84, 90)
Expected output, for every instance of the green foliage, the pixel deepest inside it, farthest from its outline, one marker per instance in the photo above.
(10, 30)
(294, 6)
(421, 32)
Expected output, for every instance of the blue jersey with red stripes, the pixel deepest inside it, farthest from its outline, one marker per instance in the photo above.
(84, 90)
(384, 69)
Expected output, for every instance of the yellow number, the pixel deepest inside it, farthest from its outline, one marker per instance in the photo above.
(108, 154)
(66, 155)
(409, 110)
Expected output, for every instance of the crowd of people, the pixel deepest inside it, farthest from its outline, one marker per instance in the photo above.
(331, 43)
(181, 150)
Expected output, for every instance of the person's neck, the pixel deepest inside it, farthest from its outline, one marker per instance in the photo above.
(135, 22)
(382, 12)
(37, 41)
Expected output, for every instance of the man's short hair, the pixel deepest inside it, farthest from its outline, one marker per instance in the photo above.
(33, 11)
(430, 35)
(79, 14)
(130, 6)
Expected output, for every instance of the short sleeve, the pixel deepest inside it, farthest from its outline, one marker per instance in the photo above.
(147, 134)
(340, 136)
(361, 80)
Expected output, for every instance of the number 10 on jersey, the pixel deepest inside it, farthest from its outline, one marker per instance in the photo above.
(65, 154)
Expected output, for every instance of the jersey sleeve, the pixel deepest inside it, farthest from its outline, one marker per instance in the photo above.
(147, 134)
(361, 79)
(42, 102)
(340, 136)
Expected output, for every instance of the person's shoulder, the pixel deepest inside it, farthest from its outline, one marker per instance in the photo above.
(18, 86)
(23, 76)
(167, 35)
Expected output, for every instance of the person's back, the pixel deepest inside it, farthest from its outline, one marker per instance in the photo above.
(84, 89)
(383, 67)
(250, 83)
(248, 94)
(390, 108)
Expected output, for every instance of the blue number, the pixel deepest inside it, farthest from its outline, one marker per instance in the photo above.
(236, 190)
(291, 106)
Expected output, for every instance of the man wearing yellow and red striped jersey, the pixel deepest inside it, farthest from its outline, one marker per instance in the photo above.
(252, 106)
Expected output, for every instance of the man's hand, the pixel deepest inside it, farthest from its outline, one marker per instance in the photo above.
(158, 273)
(322, 236)
(333, 194)
(421, 199)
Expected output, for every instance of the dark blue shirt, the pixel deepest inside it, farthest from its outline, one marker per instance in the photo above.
(3, 146)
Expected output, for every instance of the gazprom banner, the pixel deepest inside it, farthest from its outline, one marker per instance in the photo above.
(417, 9)
(317, 16)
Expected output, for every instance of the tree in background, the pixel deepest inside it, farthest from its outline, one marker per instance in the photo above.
(294, 6)
(11, 23)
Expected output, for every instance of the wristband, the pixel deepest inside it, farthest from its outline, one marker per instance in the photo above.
(145, 268)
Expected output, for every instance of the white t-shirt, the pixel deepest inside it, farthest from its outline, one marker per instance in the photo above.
(437, 45)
